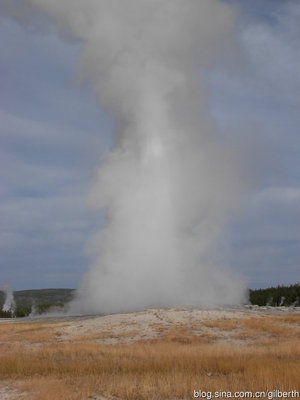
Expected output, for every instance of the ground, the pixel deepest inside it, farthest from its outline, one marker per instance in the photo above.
(152, 354)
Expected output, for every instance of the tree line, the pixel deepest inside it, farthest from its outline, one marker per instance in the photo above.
(276, 296)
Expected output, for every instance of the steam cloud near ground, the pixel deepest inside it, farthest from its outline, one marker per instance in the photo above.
(9, 305)
(171, 183)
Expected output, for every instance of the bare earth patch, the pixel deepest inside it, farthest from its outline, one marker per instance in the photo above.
(152, 354)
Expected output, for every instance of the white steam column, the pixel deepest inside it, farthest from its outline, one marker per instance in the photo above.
(171, 182)
(9, 305)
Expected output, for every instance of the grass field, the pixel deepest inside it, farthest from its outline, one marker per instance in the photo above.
(247, 352)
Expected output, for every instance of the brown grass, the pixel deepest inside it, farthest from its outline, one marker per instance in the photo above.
(32, 332)
(225, 324)
(106, 336)
(272, 325)
(168, 367)
(258, 327)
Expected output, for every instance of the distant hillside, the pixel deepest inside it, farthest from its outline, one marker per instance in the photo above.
(276, 296)
(40, 299)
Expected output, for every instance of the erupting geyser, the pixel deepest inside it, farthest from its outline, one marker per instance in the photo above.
(9, 305)
(171, 183)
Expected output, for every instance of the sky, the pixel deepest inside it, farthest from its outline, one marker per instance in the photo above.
(53, 135)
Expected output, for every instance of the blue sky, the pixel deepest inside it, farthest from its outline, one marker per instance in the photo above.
(53, 135)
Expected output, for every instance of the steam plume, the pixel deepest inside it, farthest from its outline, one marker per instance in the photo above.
(171, 183)
(9, 303)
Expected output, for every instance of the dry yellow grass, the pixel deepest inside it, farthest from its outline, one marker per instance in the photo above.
(168, 367)
(90, 337)
(258, 327)
(32, 332)
(272, 325)
(226, 324)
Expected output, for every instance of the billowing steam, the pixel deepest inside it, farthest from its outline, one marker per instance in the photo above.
(170, 184)
(9, 305)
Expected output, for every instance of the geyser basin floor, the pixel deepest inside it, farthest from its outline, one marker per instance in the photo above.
(154, 354)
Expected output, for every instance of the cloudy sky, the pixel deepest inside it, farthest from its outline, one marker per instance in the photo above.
(53, 135)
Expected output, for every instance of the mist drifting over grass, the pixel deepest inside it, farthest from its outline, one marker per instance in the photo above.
(171, 183)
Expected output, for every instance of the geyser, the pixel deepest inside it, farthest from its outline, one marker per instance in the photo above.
(9, 305)
(171, 183)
